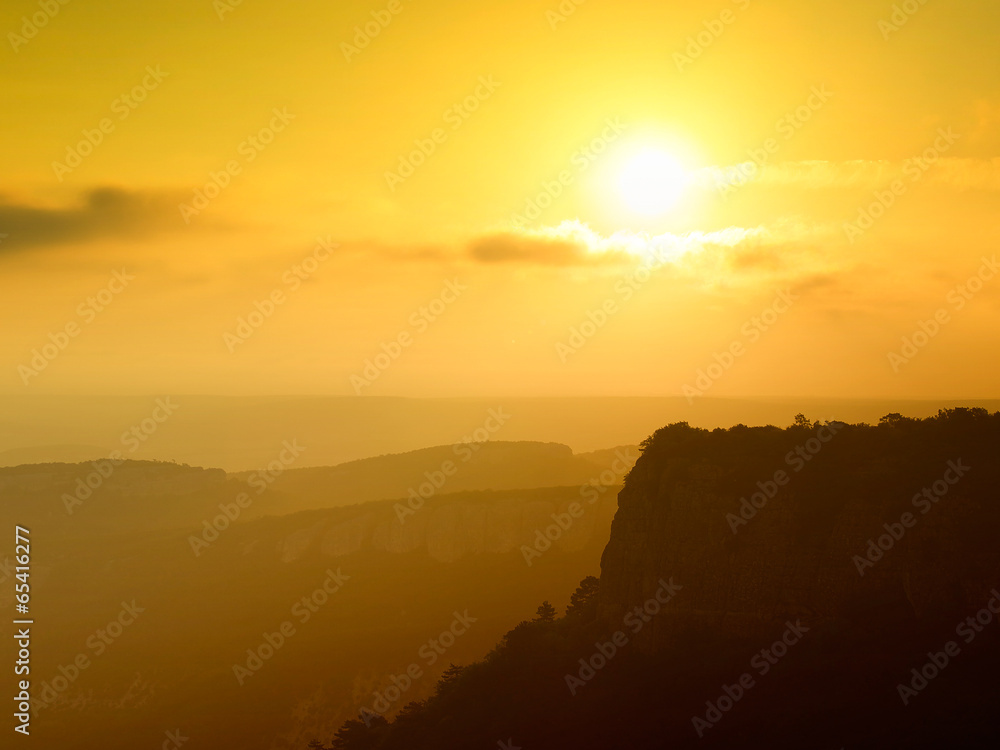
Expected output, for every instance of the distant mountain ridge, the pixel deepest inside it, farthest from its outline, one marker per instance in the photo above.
(242, 433)
(492, 465)
(122, 496)
(207, 602)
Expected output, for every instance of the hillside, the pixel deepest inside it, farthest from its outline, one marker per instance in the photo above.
(418, 475)
(214, 583)
(790, 632)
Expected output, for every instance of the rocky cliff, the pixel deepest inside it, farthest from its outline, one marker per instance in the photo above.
(453, 527)
(836, 524)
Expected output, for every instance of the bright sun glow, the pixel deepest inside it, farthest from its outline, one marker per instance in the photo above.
(652, 182)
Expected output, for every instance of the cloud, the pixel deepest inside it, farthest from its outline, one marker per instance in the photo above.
(573, 243)
(955, 173)
(967, 174)
(568, 244)
(104, 212)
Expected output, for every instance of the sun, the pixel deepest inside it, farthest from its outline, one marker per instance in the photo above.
(652, 182)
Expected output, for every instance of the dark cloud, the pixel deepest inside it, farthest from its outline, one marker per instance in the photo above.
(105, 212)
(511, 247)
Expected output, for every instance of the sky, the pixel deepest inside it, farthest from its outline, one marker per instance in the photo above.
(427, 198)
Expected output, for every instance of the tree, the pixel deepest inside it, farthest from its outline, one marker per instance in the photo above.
(448, 679)
(546, 612)
(893, 419)
(411, 715)
(583, 602)
(354, 735)
(801, 420)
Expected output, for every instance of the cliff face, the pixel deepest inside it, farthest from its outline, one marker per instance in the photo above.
(925, 491)
(450, 528)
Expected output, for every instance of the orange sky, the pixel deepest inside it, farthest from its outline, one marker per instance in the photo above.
(740, 198)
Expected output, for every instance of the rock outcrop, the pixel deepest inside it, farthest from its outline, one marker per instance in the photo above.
(858, 526)
(453, 527)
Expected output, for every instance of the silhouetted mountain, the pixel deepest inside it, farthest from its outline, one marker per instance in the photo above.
(214, 584)
(856, 605)
(491, 465)
(243, 433)
(113, 496)
(41, 454)
(118, 495)
(690, 510)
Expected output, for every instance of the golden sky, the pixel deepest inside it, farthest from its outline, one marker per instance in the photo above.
(518, 198)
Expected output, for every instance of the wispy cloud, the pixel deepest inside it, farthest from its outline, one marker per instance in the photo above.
(103, 212)
(955, 173)
(575, 243)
